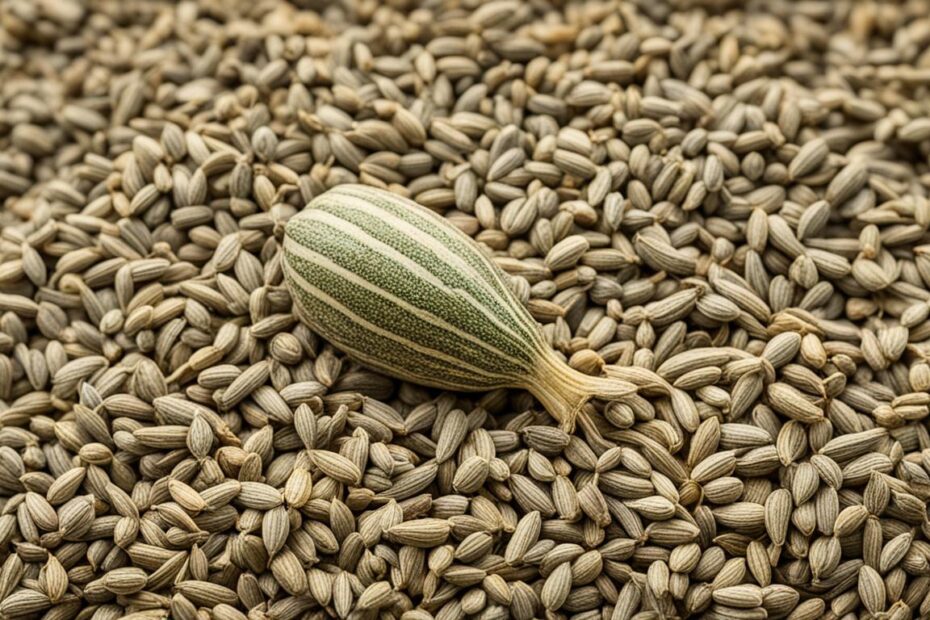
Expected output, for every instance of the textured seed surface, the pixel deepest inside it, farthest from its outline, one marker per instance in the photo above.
(697, 230)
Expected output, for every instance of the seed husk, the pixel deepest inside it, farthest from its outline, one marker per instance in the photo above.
(424, 533)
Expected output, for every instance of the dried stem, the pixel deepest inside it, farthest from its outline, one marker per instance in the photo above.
(563, 391)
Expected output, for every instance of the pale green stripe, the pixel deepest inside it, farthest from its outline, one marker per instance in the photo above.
(311, 293)
(353, 278)
(343, 250)
(432, 232)
(404, 214)
(389, 227)
(516, 343)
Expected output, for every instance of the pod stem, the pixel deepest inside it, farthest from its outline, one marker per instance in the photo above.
(563, 391)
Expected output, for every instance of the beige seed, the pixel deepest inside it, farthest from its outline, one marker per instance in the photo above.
(336, 466)
(871, 589)
(420, 533)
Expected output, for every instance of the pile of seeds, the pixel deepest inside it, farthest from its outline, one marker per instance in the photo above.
(726, 205)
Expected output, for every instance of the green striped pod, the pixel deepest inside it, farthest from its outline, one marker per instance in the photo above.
(400, 289)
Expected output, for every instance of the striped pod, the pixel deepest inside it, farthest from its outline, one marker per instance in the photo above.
(403, 291)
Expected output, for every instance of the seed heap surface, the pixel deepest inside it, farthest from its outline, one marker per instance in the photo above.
(723, 203)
